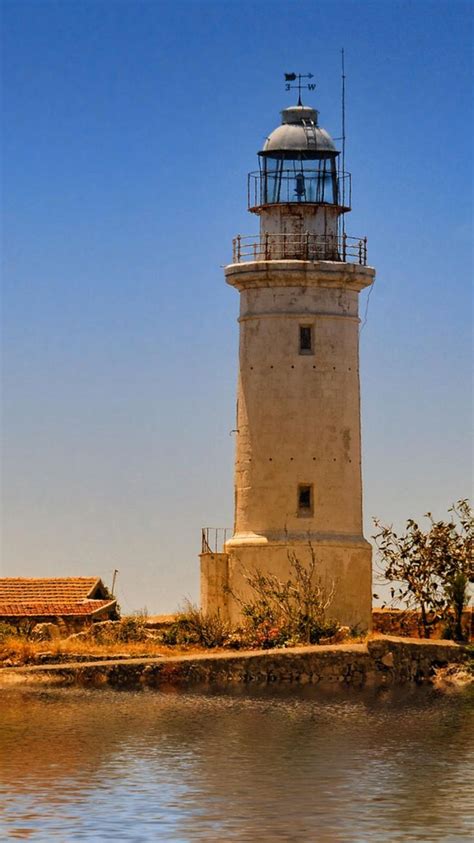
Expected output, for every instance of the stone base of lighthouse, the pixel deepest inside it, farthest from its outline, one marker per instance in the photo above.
(343, 567)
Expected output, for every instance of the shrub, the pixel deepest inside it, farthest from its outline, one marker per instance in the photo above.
(131, 628)
(18, 648)
(195, 627)
(290, 612)
(7, 631)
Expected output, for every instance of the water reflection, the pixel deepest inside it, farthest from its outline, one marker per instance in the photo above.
(260, 766)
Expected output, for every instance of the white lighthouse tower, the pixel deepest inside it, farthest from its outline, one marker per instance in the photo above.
(298, 439)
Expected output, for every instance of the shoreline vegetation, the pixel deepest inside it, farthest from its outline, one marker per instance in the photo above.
(192, 633)
(137, 636)
(100, 642)
(83, 659)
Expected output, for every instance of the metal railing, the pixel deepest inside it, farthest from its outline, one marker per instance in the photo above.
(305, 247)
(213, 539)
(310, 187)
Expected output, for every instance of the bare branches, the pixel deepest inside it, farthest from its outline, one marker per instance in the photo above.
(289, 611)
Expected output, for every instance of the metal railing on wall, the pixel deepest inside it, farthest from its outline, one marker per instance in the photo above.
(213, 539)
(306, 246)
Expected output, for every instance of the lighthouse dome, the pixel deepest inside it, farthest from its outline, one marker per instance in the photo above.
(299, 133)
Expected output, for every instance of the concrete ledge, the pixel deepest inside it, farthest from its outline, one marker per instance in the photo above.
(382, 661)
(295, 273)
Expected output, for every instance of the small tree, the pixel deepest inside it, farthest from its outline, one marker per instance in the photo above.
(431, 570)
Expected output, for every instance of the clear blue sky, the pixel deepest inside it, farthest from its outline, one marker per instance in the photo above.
(130, 128)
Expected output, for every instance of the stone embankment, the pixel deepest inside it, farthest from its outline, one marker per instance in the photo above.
(378, 662)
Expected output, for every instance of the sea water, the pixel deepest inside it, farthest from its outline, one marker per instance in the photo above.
(257, 766)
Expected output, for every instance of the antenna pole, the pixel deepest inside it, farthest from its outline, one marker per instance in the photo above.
(343, 133)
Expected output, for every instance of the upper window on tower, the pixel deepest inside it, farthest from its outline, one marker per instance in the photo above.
(306, 339)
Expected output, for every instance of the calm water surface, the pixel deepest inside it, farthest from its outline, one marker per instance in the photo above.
(245, 766)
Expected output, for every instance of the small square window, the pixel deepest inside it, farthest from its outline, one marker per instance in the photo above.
(306, 339)
(305, 500)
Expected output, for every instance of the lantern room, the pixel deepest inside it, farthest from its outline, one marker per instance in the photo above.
(299, 166)
(299, 192)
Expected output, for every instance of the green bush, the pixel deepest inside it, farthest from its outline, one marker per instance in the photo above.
(178, 633)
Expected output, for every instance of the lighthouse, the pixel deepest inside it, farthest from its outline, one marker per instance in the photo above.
(298, 480)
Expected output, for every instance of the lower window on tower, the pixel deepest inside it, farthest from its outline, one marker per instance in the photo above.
(305, 500)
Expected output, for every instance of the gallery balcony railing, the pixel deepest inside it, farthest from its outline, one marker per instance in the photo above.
(311, 187)
(213, 539)
(303, 247)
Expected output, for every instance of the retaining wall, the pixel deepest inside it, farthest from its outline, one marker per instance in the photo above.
(381, 661)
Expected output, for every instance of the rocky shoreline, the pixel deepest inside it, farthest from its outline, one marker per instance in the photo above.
(384, 661)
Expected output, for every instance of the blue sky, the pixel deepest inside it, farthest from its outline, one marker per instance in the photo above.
(130, 129)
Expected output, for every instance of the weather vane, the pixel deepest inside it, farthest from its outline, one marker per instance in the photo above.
(292, 77)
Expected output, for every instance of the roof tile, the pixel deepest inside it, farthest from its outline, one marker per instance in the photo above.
(50, 589)
(45, 608)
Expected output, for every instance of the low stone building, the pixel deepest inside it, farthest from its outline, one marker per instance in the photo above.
(71, 602)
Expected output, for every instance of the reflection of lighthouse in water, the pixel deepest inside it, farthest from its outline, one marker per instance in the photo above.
(298, 456)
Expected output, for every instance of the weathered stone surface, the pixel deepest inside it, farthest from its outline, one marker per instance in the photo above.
(101, 627)
(453, 678)
(78, 636)
(45, 631)
(387, 660)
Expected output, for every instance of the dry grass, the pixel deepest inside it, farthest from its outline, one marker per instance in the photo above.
(187, 633)
(17, 651)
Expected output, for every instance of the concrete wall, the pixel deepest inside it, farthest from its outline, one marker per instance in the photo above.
(295, 221)
(214, 583)
(340, 566)
(298, 218)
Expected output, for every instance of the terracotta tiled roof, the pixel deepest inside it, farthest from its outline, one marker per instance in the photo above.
(49, 589)
(53, 597)
(13, 609)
